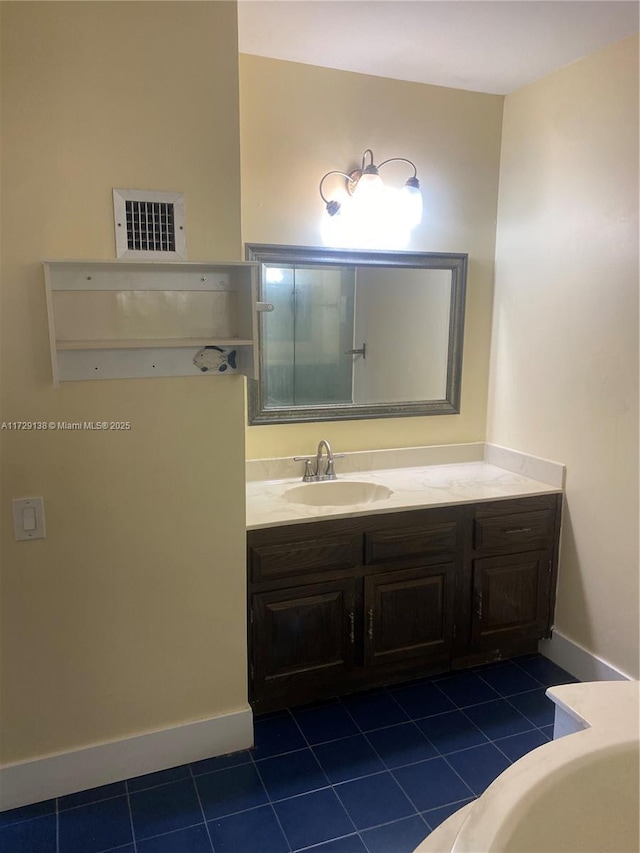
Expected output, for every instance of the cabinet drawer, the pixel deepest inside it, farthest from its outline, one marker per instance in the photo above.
(427, 541)
(521, 531)
(288, 559)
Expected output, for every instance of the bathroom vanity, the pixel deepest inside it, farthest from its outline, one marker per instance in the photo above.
(364, 596)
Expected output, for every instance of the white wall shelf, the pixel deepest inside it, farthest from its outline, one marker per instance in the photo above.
(146, 343)
(123, 320)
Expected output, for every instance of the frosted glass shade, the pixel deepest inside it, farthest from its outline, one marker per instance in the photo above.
(411, 205)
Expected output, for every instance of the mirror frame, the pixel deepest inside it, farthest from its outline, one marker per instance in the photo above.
(450, 405)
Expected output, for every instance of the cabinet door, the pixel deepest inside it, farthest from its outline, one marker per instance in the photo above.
(302, 636)
(409, 613)
(511, 598)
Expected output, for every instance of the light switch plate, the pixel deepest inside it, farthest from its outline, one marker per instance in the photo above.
(28, 518)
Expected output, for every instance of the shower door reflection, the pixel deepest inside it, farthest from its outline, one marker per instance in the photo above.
(306, 338)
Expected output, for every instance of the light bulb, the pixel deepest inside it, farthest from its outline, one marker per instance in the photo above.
(411, 203)
(369, 188)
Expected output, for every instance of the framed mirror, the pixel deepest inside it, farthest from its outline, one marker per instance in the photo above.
(356, 334)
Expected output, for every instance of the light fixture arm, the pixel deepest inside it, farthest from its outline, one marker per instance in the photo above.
(322, 180)
(368, 179)
(400, 160)
(371, 169)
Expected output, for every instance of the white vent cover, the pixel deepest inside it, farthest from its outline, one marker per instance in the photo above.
(149, 225)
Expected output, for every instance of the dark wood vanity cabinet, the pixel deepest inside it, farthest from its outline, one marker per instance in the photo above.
(304, 633)
(510, 598)
(340, 605)
(513, 572)
(408, 614)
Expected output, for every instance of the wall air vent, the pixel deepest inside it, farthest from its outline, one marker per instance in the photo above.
(149, 225)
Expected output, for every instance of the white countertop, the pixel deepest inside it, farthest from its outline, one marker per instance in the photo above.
(413, 488)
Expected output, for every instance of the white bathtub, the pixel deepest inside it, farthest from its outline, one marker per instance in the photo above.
(577, 794)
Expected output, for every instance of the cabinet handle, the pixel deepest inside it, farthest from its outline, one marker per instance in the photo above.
(518, 530)
(370, 631)
(352, 627)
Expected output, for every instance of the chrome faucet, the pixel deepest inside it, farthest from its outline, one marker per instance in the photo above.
(311, 476)
(329, 472)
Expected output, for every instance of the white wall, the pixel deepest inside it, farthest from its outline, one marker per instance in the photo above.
(564, 363)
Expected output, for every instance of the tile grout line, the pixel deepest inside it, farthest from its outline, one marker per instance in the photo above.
(151, 837)
(451, 767)
(514, 661)
(521, 693)
(273, 811)
(331, 785)
(391, 823)
(473, 794)
(542, 686)
(417, 811)
(509, 759)
(389, 770)
(458, 803)
(133, 831)
(312, 847)
(489, 739)
(364, 734)
(204, 817)
(534, 724)
(94, 802)
(115, 849)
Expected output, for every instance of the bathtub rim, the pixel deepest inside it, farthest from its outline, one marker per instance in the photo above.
(609, 710)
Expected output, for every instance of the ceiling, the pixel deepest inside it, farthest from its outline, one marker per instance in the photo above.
(493, 46)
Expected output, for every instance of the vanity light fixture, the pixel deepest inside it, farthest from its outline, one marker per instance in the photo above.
(368, 214)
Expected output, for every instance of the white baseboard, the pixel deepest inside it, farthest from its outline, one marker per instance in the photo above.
(578, 661)
(67, 772)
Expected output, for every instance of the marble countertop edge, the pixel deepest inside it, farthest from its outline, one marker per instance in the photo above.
(419, 487)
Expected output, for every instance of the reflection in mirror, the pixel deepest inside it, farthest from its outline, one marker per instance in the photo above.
(307, 337)
(357, 335)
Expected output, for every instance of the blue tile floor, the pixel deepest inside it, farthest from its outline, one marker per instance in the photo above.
(370, 773)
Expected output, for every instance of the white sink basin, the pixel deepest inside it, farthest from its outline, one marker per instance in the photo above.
(337, 493)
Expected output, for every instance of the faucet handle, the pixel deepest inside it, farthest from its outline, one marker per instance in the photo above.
(308, 470)
(330, 473)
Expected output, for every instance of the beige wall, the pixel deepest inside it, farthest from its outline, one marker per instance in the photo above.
(129, 616)
(298, 122)
(565, 337)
